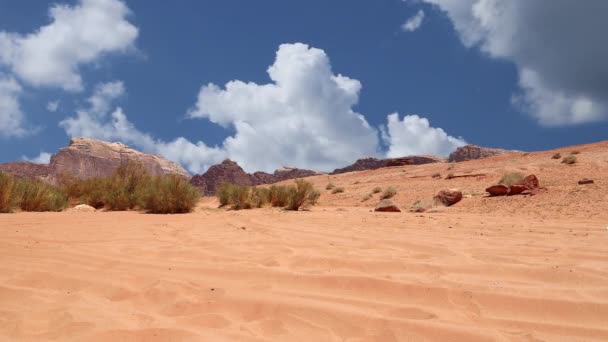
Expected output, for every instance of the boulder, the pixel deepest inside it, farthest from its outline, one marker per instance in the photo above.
(387, 205)
(517, 189)
(530, 182)
(82, 208)
(498, 190)
(448, 197)
(471, 152)
(585, 181)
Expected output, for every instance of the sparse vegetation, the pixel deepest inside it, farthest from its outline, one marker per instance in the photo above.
(575, 152)
(291, 197)
(367, 197)
(423, 205)
(6, 187)
(390, 192)
(35, 195)
(556, 156)
(303, 193)
(377, 190)
(169, 195)
(330, 186)
(511, 178)
(338, 190)
(450, 176)
(437, 175)
(571, 159)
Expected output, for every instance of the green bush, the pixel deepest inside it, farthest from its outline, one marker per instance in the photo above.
(6, 188)
(337, 190)
(35, 195)
(571, 159)
(278, 195)
(390, 192)
(511, 178)
(377, 190)
(303, 193)
(169, 195)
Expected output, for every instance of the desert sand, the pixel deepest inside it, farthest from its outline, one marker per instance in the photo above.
(521, 268)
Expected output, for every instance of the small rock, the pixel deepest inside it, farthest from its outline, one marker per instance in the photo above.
(517, 189)
(387, 205)
(448, 197)
(585, 181)
(498, 190)
(82, 208)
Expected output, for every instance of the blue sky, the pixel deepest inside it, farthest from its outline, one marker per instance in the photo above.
(473, 71)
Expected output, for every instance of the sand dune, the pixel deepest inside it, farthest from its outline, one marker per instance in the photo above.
(488, 269)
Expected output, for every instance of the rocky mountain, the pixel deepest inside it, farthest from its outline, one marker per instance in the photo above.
(375, 163)
(230, 172)
(470, 152)
(88, 158)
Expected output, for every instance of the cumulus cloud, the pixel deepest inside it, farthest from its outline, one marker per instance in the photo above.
(413, 23)
(42, 158)
(558, 47)
(52, 106)
(101, 120)
(52, 55)
(414, 135)
(11, 116)
(303, 118)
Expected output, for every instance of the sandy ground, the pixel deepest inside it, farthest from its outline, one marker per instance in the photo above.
(488, 269)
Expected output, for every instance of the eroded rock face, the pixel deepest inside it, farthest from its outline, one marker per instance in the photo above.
(374, 163)
(470, 152)
(230, 172)
(88, 158)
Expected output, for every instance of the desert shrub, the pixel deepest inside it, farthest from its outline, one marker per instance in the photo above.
(556, 156)
(423, 205)
(575, 152)
(303, 193)
(450, 176)
(330, 186)
(511, 178)
(6, 188)
(366, 197)
(338, 190)
(390, 192)
(224, 193)
(125, 186)
(376, 190)
(571, 159)
(35, 195)
(169, 195)
(437, 175)
(259, 197)
(278, 195)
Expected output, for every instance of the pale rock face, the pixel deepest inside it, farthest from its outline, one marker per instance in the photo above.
(470, 152)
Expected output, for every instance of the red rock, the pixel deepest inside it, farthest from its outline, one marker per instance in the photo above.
(498, 190)
(530, 182)
(517, 189)
(26, 170)
(585, 181)
(387, 205)
(448, 197)
(470, 152)
(413, 160)
(374, 163)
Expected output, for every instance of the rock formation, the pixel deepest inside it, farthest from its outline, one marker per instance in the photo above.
(448, 197)
(375, 163)
(88, 158)
(470, 152)
(387, 206)
(230, 172)
(530, 185)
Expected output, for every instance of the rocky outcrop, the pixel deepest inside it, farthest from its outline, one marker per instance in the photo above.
(26, 170)
(375, 163)
(88, 158)
(226, 172)
(470, 152)
(387, 206)
(585, 181)
(498, 190)
(230, 172)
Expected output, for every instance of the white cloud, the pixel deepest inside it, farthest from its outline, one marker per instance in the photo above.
(413, 23)
(557, 46)
(304, 118)
(76, 35)
(42, 158)
(11, 116)
(52, 106)
(414, 135)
